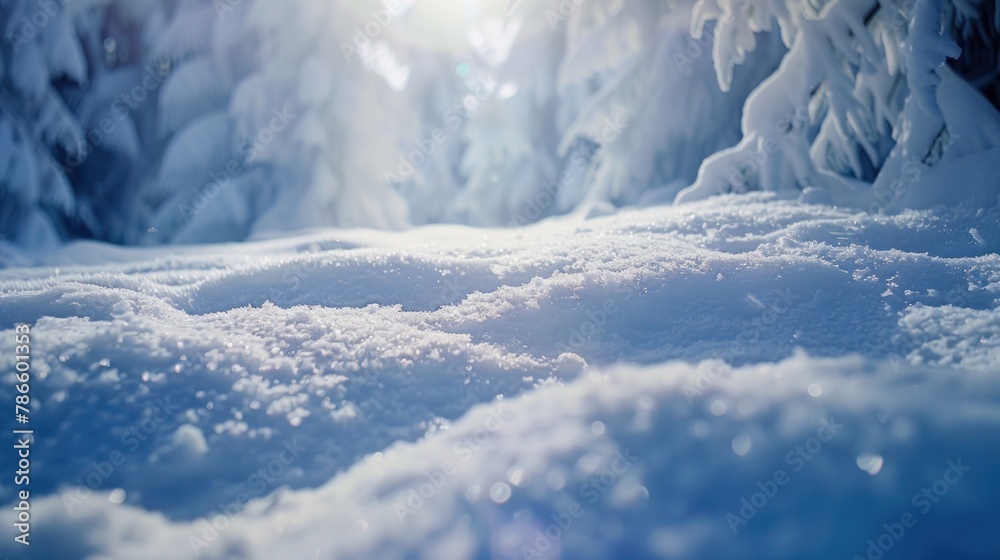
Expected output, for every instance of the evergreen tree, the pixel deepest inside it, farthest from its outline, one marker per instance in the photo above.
(41, 61)
(870, 97)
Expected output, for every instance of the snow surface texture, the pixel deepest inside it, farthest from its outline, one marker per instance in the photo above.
(450, 392)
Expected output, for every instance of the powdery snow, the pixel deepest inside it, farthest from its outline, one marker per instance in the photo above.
(446, 392)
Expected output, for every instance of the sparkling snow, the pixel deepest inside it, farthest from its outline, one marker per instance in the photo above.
(743, 377)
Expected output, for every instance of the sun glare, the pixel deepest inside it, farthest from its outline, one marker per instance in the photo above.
(448, 24)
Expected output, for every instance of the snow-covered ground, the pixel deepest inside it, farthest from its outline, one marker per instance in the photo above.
(744, 377)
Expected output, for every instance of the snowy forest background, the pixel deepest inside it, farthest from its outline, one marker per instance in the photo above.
(152, 121)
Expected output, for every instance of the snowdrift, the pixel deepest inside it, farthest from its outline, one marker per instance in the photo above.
(805, 381)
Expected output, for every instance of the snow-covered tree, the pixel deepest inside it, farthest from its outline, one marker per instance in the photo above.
(41, 60)
(425, 172)
(648, 98)
(202, 189)
(511, 131)
(330, 64)
(615, 103)
(77, 105)
(871, 98)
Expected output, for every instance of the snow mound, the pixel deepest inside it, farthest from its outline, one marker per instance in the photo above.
(448, 391)
(804, 458)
